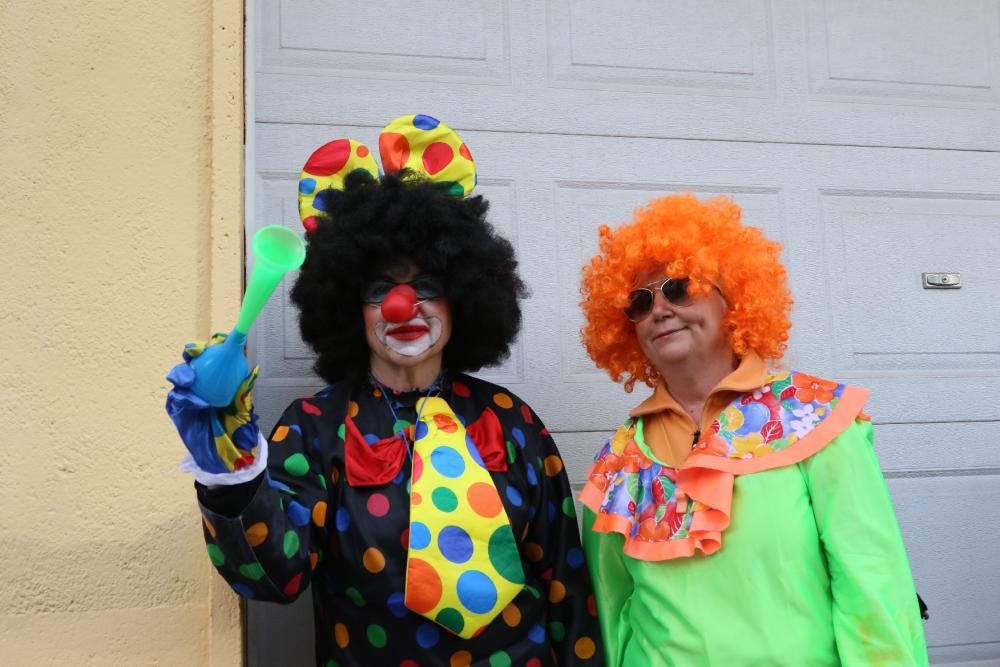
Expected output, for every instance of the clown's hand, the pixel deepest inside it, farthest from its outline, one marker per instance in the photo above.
(224, 444)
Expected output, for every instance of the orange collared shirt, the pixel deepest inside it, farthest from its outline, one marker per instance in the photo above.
(669, 430)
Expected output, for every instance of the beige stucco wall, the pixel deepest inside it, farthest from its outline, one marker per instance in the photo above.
(120, 238)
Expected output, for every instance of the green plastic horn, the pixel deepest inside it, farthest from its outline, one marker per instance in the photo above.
(277, 250)
(220, 369)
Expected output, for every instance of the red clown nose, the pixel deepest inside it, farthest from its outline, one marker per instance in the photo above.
(400, 304)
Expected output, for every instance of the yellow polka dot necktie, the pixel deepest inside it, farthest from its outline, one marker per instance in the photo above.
(463, 565)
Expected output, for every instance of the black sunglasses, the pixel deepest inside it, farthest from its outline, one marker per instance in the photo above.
(640, 301)
(426, 286)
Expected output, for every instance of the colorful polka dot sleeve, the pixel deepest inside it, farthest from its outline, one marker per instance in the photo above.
(334, 513)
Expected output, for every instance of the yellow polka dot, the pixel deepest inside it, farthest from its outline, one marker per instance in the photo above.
(584, 648)
(313, 559)
(352, 409)
(319, 514)
(257, 533)
(556, 591)
(553, 465)
(461, 659)
(503, 400)
(374, 560)
(511, 615)
(209, 527)
(280, 434)
(335, 475)
(341, 636)
(533, 552)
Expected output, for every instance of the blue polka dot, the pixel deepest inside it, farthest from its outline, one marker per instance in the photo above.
(552, 510)
(422, 122)
(514, 496)
(421, 431)
(454, 543)
(532, 511)
(574, 557)
(242, 590)
(298, 514)
(307, 186)
(518, 436)
(428, 635)
(537, 634)
(447, 462)
(343, 519)
(476, 592)
(532, 475)
(397, 605)
(420, 536)
(398, 479)
(371, 438)
(474, 451)
(296, 428)
(319, 203)
(275, 484)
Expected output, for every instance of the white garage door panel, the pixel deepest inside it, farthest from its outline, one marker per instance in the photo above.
(817, 72)
(552, 192)
(949, 525)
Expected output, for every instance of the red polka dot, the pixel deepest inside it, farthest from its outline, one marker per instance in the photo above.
(362, 150)
(445, 423)
(409, 663)
(395, 151)
(329, 158)
(526, 414)
(423, 590)
(460, 389)
(310, 223)
(591, 606)
(404, 538)
(418, 467)
(311, 409)
(378, 504)
(534, 662)
(463, 150)
(437, 156)
(292, 587)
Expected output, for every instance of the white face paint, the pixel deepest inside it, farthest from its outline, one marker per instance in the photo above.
(409, 339)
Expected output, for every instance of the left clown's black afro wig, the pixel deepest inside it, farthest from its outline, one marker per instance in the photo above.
(370, 224)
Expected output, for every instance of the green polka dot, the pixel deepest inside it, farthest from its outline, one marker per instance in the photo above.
(356, 596)
(539, 464)
(557, 631)
(252, 571)
(331, 663)
(407, 486)
(215, 555)
(297, 465)
(322, 481)
(342, 431)
(504, 556)
(534, 591)
(376, 636)
(451, 619)
(291, 543)
(399, 425)
(569, 507)
(451, 188)
(444, 499)
(500, 659)
(511, 452)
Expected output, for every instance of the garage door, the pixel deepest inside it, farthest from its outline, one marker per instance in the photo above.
(863, 135)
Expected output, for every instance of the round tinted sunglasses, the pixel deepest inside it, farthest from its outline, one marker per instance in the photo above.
(640, 301)
(426, 286)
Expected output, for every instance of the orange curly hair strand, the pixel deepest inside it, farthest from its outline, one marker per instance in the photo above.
(685, 237)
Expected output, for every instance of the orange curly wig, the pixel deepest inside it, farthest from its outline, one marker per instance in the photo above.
(685, 237)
